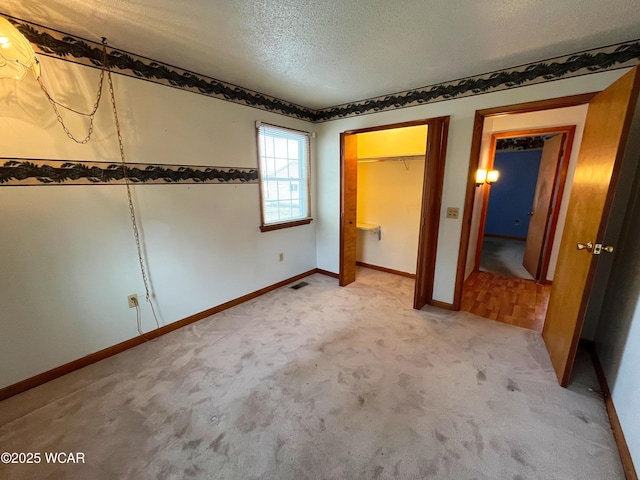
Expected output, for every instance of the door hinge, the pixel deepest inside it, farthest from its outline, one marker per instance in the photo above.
(598, 249)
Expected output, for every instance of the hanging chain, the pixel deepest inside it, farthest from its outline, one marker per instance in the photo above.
(127, 182)
(91, 115)
(125, 173)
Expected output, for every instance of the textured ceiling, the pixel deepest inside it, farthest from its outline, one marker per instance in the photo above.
(320, 53)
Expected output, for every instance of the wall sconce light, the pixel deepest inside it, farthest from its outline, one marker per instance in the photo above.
(486, 176)
(481, 177)
(16, 54)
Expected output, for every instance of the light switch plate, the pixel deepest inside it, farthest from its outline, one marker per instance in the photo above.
(453, 212)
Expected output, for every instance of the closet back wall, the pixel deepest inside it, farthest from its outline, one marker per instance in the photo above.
(390, 181)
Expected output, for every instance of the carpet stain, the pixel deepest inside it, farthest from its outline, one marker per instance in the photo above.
(481, 376)
(441, 438)
(215, 445)
(519, 456)
(192, 445)
(404, 380)
(359, 373)
(193, 471)
(423, 362)
(361, 400)
(512, 386)
(167, 472)
(257, 411)
(427, 468)
(280, 444)
(495, 445)
(581, 416)
(396, 469)
(246, 427)
(477, 436)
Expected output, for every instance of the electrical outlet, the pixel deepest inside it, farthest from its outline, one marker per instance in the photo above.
(133, 300)
(453, 212)
(281, 256)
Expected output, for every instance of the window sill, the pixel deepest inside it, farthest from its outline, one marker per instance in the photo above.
(278, 226)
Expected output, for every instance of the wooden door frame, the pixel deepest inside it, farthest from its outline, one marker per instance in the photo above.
(431, 195)
(438, 131)
(344, 277)
(558, 186)
(474, 160)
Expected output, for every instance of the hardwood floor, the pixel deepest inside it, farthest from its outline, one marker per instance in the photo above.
(511, 300)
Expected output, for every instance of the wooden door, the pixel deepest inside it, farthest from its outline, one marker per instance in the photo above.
(541, 210)
(348, 208)
(430, 214)
(594, 184)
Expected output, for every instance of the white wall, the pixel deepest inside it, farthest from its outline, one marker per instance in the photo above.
(67, 255)
(524, 121)
(457, 163)
(390, 195)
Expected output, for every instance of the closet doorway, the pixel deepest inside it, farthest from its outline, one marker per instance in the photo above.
(411, 230)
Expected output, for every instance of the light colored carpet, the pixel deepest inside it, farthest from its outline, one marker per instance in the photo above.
(503, 256)
(321, 383)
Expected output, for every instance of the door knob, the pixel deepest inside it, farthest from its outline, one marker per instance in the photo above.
(585, 246)
(608, 248)
(530, 213)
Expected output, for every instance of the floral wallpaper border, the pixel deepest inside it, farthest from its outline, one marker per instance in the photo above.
(522, 143)
(597, 60)
(20, 171)
(63, 46)
(68, 47)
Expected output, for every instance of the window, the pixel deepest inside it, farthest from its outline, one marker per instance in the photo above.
(283, 164)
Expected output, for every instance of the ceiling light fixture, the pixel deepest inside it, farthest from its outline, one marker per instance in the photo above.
(17, 57)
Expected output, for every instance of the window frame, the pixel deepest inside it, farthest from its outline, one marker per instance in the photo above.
(267, 227)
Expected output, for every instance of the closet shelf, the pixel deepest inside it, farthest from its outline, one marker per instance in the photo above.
(370, 227)
(391, 158)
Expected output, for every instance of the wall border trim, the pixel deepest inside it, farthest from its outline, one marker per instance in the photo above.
(31, 171)
(56, 44)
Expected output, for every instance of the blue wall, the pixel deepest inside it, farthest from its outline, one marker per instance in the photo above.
(511, 196)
